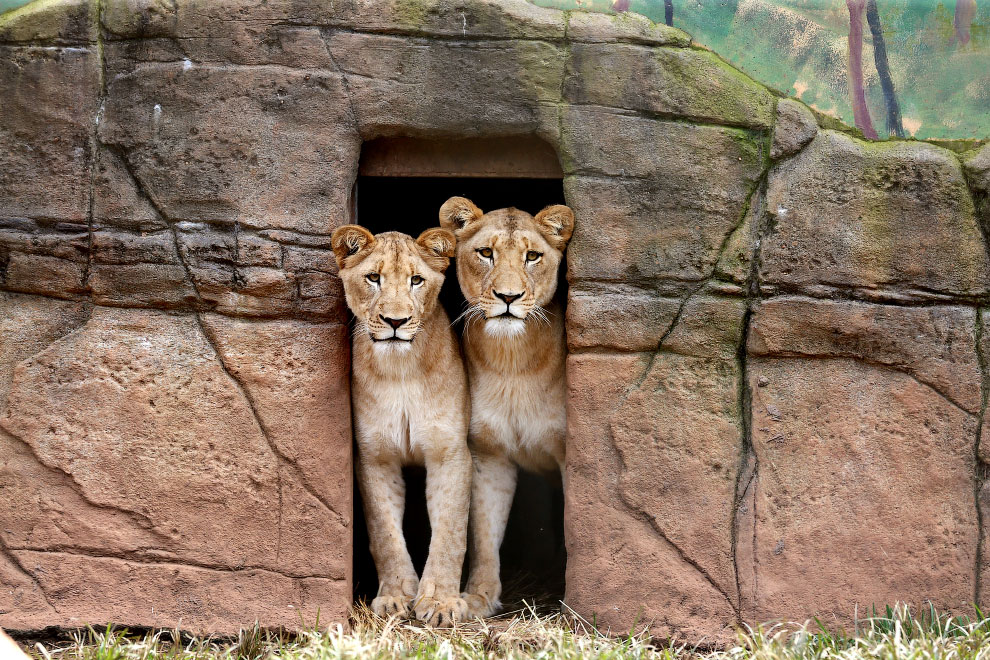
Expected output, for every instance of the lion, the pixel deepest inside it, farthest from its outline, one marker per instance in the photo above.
(513, 341)
(9, 650)
(410, 406)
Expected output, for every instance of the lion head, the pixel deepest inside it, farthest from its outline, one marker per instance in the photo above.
(507, 260)
(391, 282)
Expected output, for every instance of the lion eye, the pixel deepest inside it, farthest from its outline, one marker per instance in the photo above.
(533, 255)
(485, 252)
(373, 277)
(416, 280)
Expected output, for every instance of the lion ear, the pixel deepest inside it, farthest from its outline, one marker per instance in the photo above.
(556, 223)
(349, 240)
(437, 247)
(458, 212)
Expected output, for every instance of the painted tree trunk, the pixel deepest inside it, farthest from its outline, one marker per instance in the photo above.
(965, 11)
(861, 113)
(894, 126)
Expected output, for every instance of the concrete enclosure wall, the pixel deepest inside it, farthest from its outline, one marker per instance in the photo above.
(778, 363)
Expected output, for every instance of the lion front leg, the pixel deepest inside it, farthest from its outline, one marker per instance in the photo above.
(384, 493)
(448, 497)
(492, 489)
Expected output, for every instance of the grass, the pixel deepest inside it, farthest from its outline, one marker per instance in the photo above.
(895, 634)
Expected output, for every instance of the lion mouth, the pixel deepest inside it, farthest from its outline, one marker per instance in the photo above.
(393, 338)
(507, 315)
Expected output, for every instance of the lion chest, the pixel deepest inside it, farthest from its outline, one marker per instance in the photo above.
(402, 417)
(523, 414)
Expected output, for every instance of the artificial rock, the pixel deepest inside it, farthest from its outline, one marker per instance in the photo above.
(777, 379)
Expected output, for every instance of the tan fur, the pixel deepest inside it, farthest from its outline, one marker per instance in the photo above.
(410, 405)
(515, 365)
(9, 650)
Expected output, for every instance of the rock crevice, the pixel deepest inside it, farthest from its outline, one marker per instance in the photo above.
(981, 473)
(12, 560)
(137, 517)
(278, 451)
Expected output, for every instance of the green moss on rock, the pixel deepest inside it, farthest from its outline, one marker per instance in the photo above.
(626, 27)
(884, 220)
(51, 22)
(676, 82)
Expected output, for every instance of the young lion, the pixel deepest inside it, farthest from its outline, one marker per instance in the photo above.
(410, 403)
(513, 342)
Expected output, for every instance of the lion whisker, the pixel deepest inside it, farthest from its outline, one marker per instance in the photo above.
(467, 313)
(474, 312)
(359, 328)
(540, 314)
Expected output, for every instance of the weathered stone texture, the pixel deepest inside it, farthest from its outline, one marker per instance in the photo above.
(627, 27)
(933, 344)
(863, 475)
(679, 436)
(654, 80)
(606, 538)
(141, 260)
(303, 406)
(464, 19)
(655, 444)
(983, 456)
(436, 79)
(264, 147)
(978, 167)
(49, 104)
(147, 367)
(737, 259)
(882, 221)
(984, 447)
(623, 318)
(863, 424)
(794, 127)
(741, 461)
(661, 213)
(31, 273)
(62, 22)
(665, 482)
(28, 324)
(117, 200)
(139, 18)
(185, 472)
(203, 600)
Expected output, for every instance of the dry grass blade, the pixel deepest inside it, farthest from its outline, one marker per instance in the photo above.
(896, 634)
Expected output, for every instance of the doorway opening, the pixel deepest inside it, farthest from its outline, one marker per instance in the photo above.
(401, 185)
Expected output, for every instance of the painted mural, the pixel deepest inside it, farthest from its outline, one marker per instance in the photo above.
(914, 68)
(7, 5)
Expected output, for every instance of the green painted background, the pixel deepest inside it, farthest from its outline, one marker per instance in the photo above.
(800, 47)
(6, 5)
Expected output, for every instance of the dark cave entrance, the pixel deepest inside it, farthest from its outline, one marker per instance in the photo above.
(401, 185)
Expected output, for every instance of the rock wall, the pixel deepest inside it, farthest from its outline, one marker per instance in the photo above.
(778, 367)
(779, 415)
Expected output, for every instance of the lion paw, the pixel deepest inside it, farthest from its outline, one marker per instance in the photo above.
(440, 612)
(480, 606)
(395, 597)
(387, 606)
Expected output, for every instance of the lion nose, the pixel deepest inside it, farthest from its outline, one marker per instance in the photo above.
(395, 323)
(507, 297)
